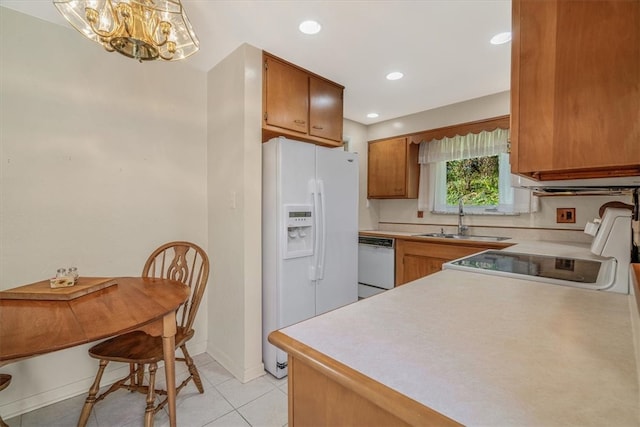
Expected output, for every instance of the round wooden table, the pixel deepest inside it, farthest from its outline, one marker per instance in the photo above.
(30, 327)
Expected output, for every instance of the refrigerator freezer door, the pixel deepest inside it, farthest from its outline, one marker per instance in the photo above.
(288, 295)
(296, 293)
(337, 229)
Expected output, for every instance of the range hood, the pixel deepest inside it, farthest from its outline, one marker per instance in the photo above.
(605, 185)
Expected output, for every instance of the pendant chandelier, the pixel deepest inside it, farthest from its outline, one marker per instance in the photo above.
(145, 30)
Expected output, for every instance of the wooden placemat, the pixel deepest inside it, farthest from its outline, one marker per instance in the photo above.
(43, 290)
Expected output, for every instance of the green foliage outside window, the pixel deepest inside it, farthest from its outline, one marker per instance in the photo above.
(474, 179)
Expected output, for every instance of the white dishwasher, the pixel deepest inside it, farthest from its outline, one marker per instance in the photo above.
(376, 265)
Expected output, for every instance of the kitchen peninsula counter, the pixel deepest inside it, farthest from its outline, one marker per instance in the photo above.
(459, 347)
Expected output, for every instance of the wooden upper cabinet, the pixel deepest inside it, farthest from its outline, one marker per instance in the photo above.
(325, 112)
(300, 105)
(287, 98)
(575, 88)
(393, 170)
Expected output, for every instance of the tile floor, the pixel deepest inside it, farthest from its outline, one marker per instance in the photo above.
(226, 402)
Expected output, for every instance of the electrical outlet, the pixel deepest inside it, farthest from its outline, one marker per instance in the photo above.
(566, 215)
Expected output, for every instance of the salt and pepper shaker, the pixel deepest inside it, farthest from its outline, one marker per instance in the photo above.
(65, 277)
(72, 272)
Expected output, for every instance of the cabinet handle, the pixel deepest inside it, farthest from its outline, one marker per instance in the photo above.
(317, 127)
(299, 122)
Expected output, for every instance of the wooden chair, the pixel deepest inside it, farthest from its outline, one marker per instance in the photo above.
(181, 261)
(5, 380)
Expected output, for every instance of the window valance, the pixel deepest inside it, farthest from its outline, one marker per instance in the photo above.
(464, 147)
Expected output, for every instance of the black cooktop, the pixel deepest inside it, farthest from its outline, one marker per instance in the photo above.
(552, 267)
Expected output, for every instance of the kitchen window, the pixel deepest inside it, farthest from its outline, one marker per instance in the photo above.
(473, 180)
(474, 168)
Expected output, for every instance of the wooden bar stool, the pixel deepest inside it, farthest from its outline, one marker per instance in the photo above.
(5, 380)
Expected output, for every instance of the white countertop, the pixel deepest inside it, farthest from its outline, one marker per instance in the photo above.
(513, 235)
(492, 351)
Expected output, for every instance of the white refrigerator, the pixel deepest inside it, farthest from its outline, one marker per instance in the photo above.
(309, 236)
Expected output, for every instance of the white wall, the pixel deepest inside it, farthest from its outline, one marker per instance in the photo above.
(102, 160)
(398, 214)
(235, 205)
(468, 111)
(356, 136)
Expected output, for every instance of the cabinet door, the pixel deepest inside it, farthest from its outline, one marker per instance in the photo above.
(575, 88)
(286, 96)
(325, 113)
(387, 168)
(416, 259)
(417, 266)
(392, 169)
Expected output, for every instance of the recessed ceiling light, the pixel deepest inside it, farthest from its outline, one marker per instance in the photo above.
(310, 27)
(501, 38)
(372, 115)
(396, 75)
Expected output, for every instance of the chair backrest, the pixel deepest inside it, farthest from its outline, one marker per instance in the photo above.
(187, 263)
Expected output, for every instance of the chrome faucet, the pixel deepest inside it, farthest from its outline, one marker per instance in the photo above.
(462, 229)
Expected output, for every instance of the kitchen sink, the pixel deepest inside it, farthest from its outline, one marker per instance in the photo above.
(464, 237)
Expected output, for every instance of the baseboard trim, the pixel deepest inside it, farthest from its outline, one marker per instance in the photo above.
(240, 373)
(67, 391)
(114, 372)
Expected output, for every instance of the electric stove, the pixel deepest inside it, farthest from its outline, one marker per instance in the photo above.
(582, 273)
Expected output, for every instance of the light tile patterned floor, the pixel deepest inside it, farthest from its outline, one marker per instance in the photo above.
(226, 402)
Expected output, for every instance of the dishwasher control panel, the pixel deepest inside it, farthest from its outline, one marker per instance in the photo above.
(385, 242)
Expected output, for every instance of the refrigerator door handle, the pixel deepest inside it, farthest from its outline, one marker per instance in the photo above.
(313, 268)
(323, 232)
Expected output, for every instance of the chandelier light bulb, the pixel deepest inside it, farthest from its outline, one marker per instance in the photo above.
(105, 22)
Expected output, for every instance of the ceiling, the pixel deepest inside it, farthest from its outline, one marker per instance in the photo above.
(441, 46)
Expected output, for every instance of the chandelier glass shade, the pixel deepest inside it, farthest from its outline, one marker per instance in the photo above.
(145, 30)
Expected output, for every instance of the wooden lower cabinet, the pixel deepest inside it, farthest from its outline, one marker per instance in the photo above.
(319, 401)
(416, 259)
(325, 392)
